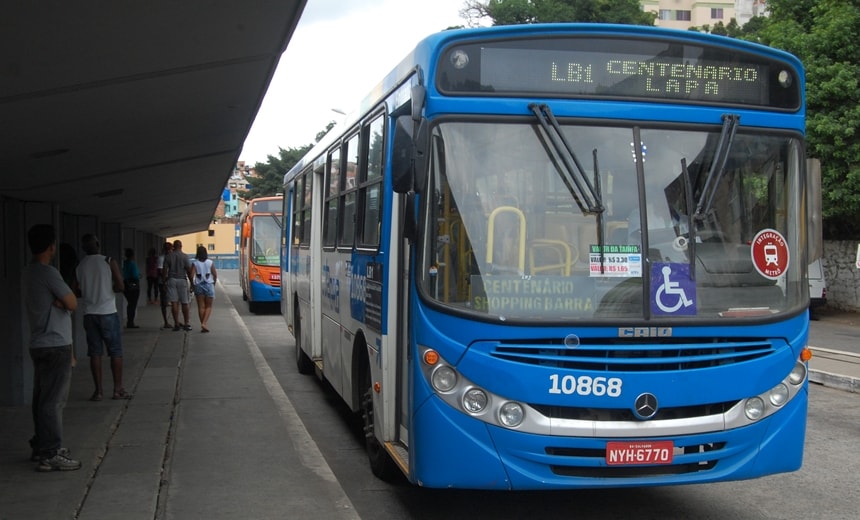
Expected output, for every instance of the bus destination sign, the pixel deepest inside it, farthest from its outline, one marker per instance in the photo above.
(619, 69)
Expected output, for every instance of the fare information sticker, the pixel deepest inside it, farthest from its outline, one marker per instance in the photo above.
(618, 261)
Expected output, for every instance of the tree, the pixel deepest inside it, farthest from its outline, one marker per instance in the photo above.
(514, 12)
(269, 178)
(270, 175)
(822, 34)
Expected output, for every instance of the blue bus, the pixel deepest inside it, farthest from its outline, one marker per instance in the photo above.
(562, 256)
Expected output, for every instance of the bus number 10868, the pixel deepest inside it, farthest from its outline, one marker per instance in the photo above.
(585, 385)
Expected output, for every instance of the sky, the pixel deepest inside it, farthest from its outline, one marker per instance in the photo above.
(308, 88)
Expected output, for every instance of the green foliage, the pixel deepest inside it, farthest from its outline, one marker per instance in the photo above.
(513, 12)
(822, 33)
(270, 174)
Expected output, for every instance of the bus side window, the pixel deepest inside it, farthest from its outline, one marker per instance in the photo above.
(371, 185)
(349, 199)
(331, 199)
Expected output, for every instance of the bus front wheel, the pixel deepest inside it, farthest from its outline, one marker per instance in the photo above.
(380, 461)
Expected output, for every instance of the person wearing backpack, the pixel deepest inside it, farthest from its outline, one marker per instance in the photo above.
(204, 276)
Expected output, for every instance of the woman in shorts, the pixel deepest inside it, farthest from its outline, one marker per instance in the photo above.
(205, 276)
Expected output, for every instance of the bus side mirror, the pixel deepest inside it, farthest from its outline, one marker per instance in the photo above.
(408, 168)
(246, 230)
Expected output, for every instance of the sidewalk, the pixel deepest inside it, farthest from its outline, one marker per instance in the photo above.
(208, 434)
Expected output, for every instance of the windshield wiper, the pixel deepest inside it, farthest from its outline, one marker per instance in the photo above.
(574, 176)
(718, 165)
(691, 223)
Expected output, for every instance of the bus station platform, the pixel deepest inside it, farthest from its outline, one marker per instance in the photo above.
(205, 435)
(208, 434)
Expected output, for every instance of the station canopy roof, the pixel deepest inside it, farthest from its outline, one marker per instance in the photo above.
(134, 112)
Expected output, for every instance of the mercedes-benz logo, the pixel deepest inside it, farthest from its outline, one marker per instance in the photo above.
(645, 406)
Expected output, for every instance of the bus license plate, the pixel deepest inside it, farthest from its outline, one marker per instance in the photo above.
(275, 277)
(639, 452)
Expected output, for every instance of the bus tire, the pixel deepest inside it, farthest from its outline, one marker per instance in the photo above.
(244, 296)
(381, 463)
(303, 362)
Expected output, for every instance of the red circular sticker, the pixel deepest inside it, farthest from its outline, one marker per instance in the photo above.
(769, 253)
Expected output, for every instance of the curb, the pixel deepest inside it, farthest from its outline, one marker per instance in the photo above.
(837, 381)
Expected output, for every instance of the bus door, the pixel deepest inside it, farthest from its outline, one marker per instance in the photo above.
(402, 274)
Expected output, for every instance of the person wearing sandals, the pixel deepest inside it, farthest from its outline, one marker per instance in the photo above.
(99, 278)
(177, 274)
(49, 304)
(204, 276)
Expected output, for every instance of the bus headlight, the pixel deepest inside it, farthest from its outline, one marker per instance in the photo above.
(444, 378)
(779, 395)
(798, 373)
(475, 400)
(511, 414)
(754, 408)
(468, 398)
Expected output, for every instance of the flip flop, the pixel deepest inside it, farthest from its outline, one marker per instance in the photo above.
(122, 394)
(96, 397)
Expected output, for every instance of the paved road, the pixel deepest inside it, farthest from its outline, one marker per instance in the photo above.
(836, 331)
(825, 488)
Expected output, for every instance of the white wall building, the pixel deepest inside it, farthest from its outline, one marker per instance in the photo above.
(683, 14)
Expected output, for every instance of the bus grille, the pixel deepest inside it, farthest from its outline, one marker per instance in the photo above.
(621, 355)
(626, 414)
(582, 462)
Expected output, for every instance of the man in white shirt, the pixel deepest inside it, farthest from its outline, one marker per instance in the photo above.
(99, 278)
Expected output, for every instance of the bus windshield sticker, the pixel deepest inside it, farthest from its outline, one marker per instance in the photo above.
(672, 290)
(618, 260)
(770, 254)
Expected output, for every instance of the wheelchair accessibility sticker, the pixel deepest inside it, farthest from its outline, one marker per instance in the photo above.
(672, 291)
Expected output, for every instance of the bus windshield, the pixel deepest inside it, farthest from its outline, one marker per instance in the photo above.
(684, 223)
(266, 240)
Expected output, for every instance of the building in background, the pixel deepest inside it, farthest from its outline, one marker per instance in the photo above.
(220, 240)
(683, 14)
(231, 205)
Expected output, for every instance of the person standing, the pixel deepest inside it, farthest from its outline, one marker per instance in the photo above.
(98, 278)
(162, 282)
(131, 284)
(177, 273)
(205, 275)
(49, 303)
(151, 276)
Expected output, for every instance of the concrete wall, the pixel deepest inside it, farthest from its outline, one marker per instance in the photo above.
(842, 275)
